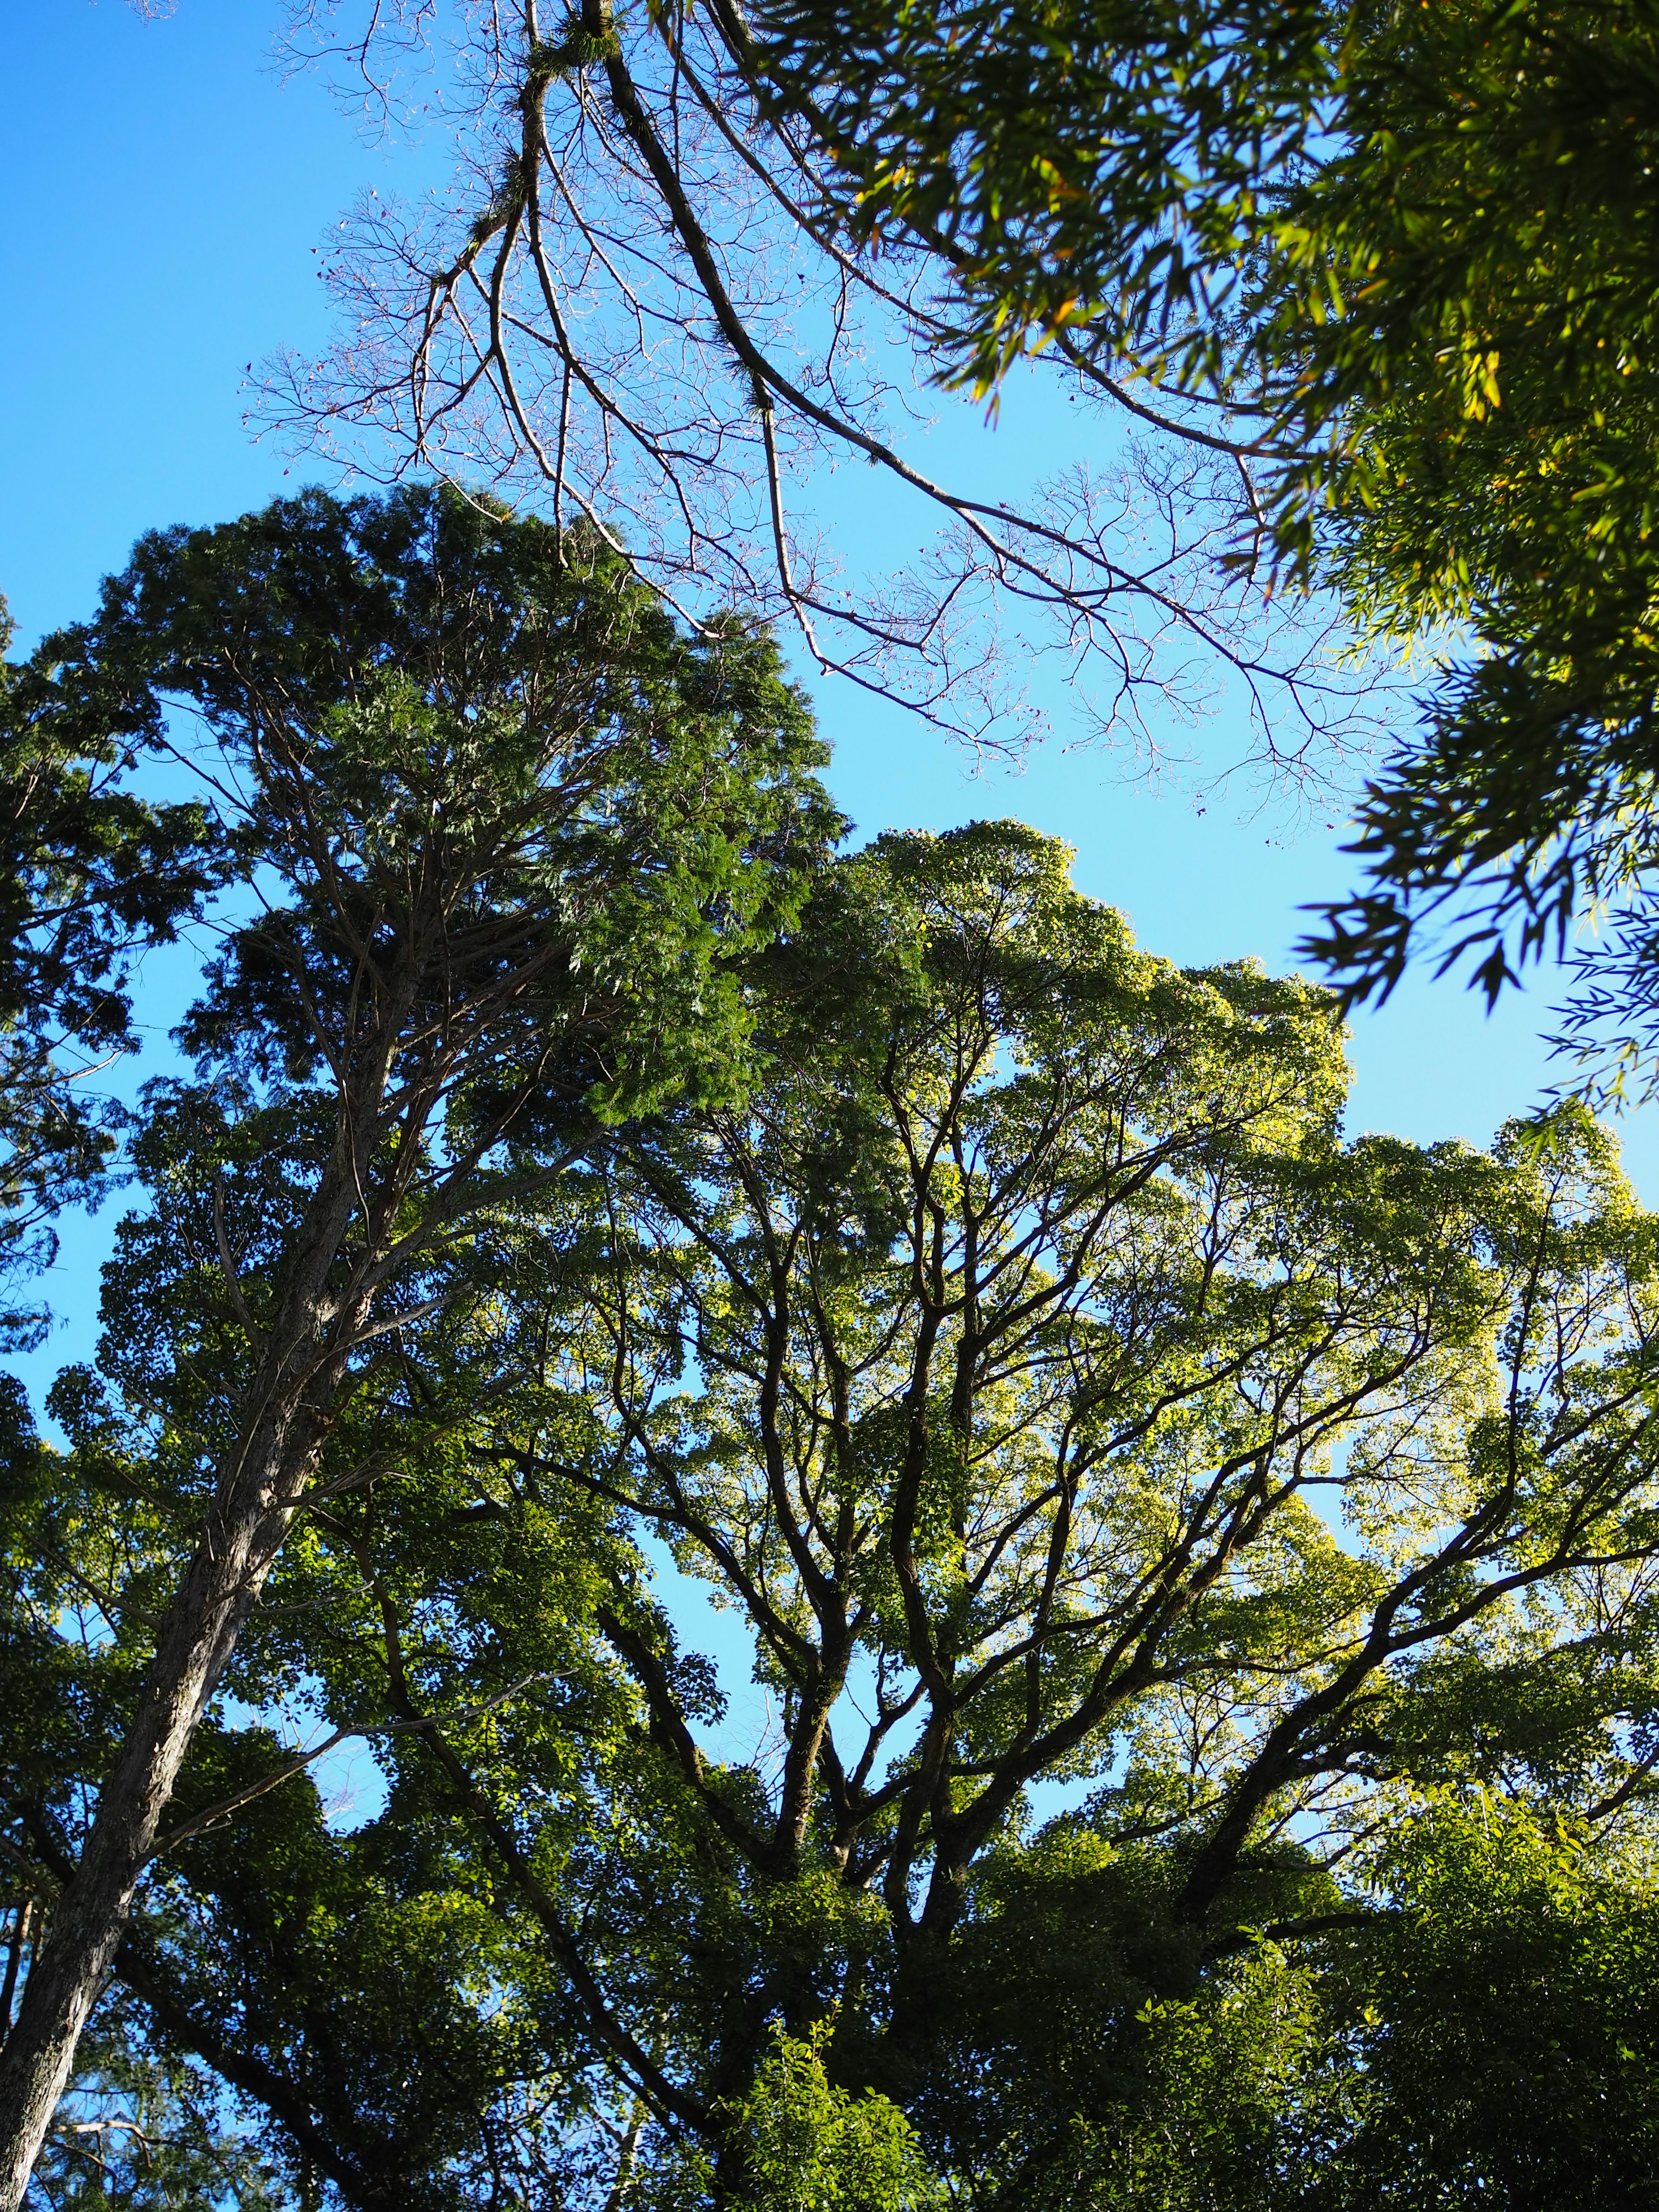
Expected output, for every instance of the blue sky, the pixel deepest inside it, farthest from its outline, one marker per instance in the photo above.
(166, 194)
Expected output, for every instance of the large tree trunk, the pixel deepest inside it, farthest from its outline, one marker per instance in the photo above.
(260, 1486)
(89, 1920)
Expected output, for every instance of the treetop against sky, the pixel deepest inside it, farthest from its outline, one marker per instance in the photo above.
(655, 664)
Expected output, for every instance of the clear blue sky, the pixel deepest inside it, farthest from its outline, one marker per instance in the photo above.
(164, 192)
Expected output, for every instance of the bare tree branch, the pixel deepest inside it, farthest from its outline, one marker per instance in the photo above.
(643, 305)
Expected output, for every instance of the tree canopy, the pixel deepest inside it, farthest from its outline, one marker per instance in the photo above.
(1180, 1721)
(1168, 1536)
(91, 873)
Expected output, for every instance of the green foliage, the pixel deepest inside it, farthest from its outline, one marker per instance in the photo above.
(1398, 260)
(1508, 2016)
(1236, 2106)
(1105, 168)
(90, 875)
(810, 2147)
(999, 1323)
(800, 2143)
(497, 709)
(1489, 227)
(1050, 1393)
(1483, 2035)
